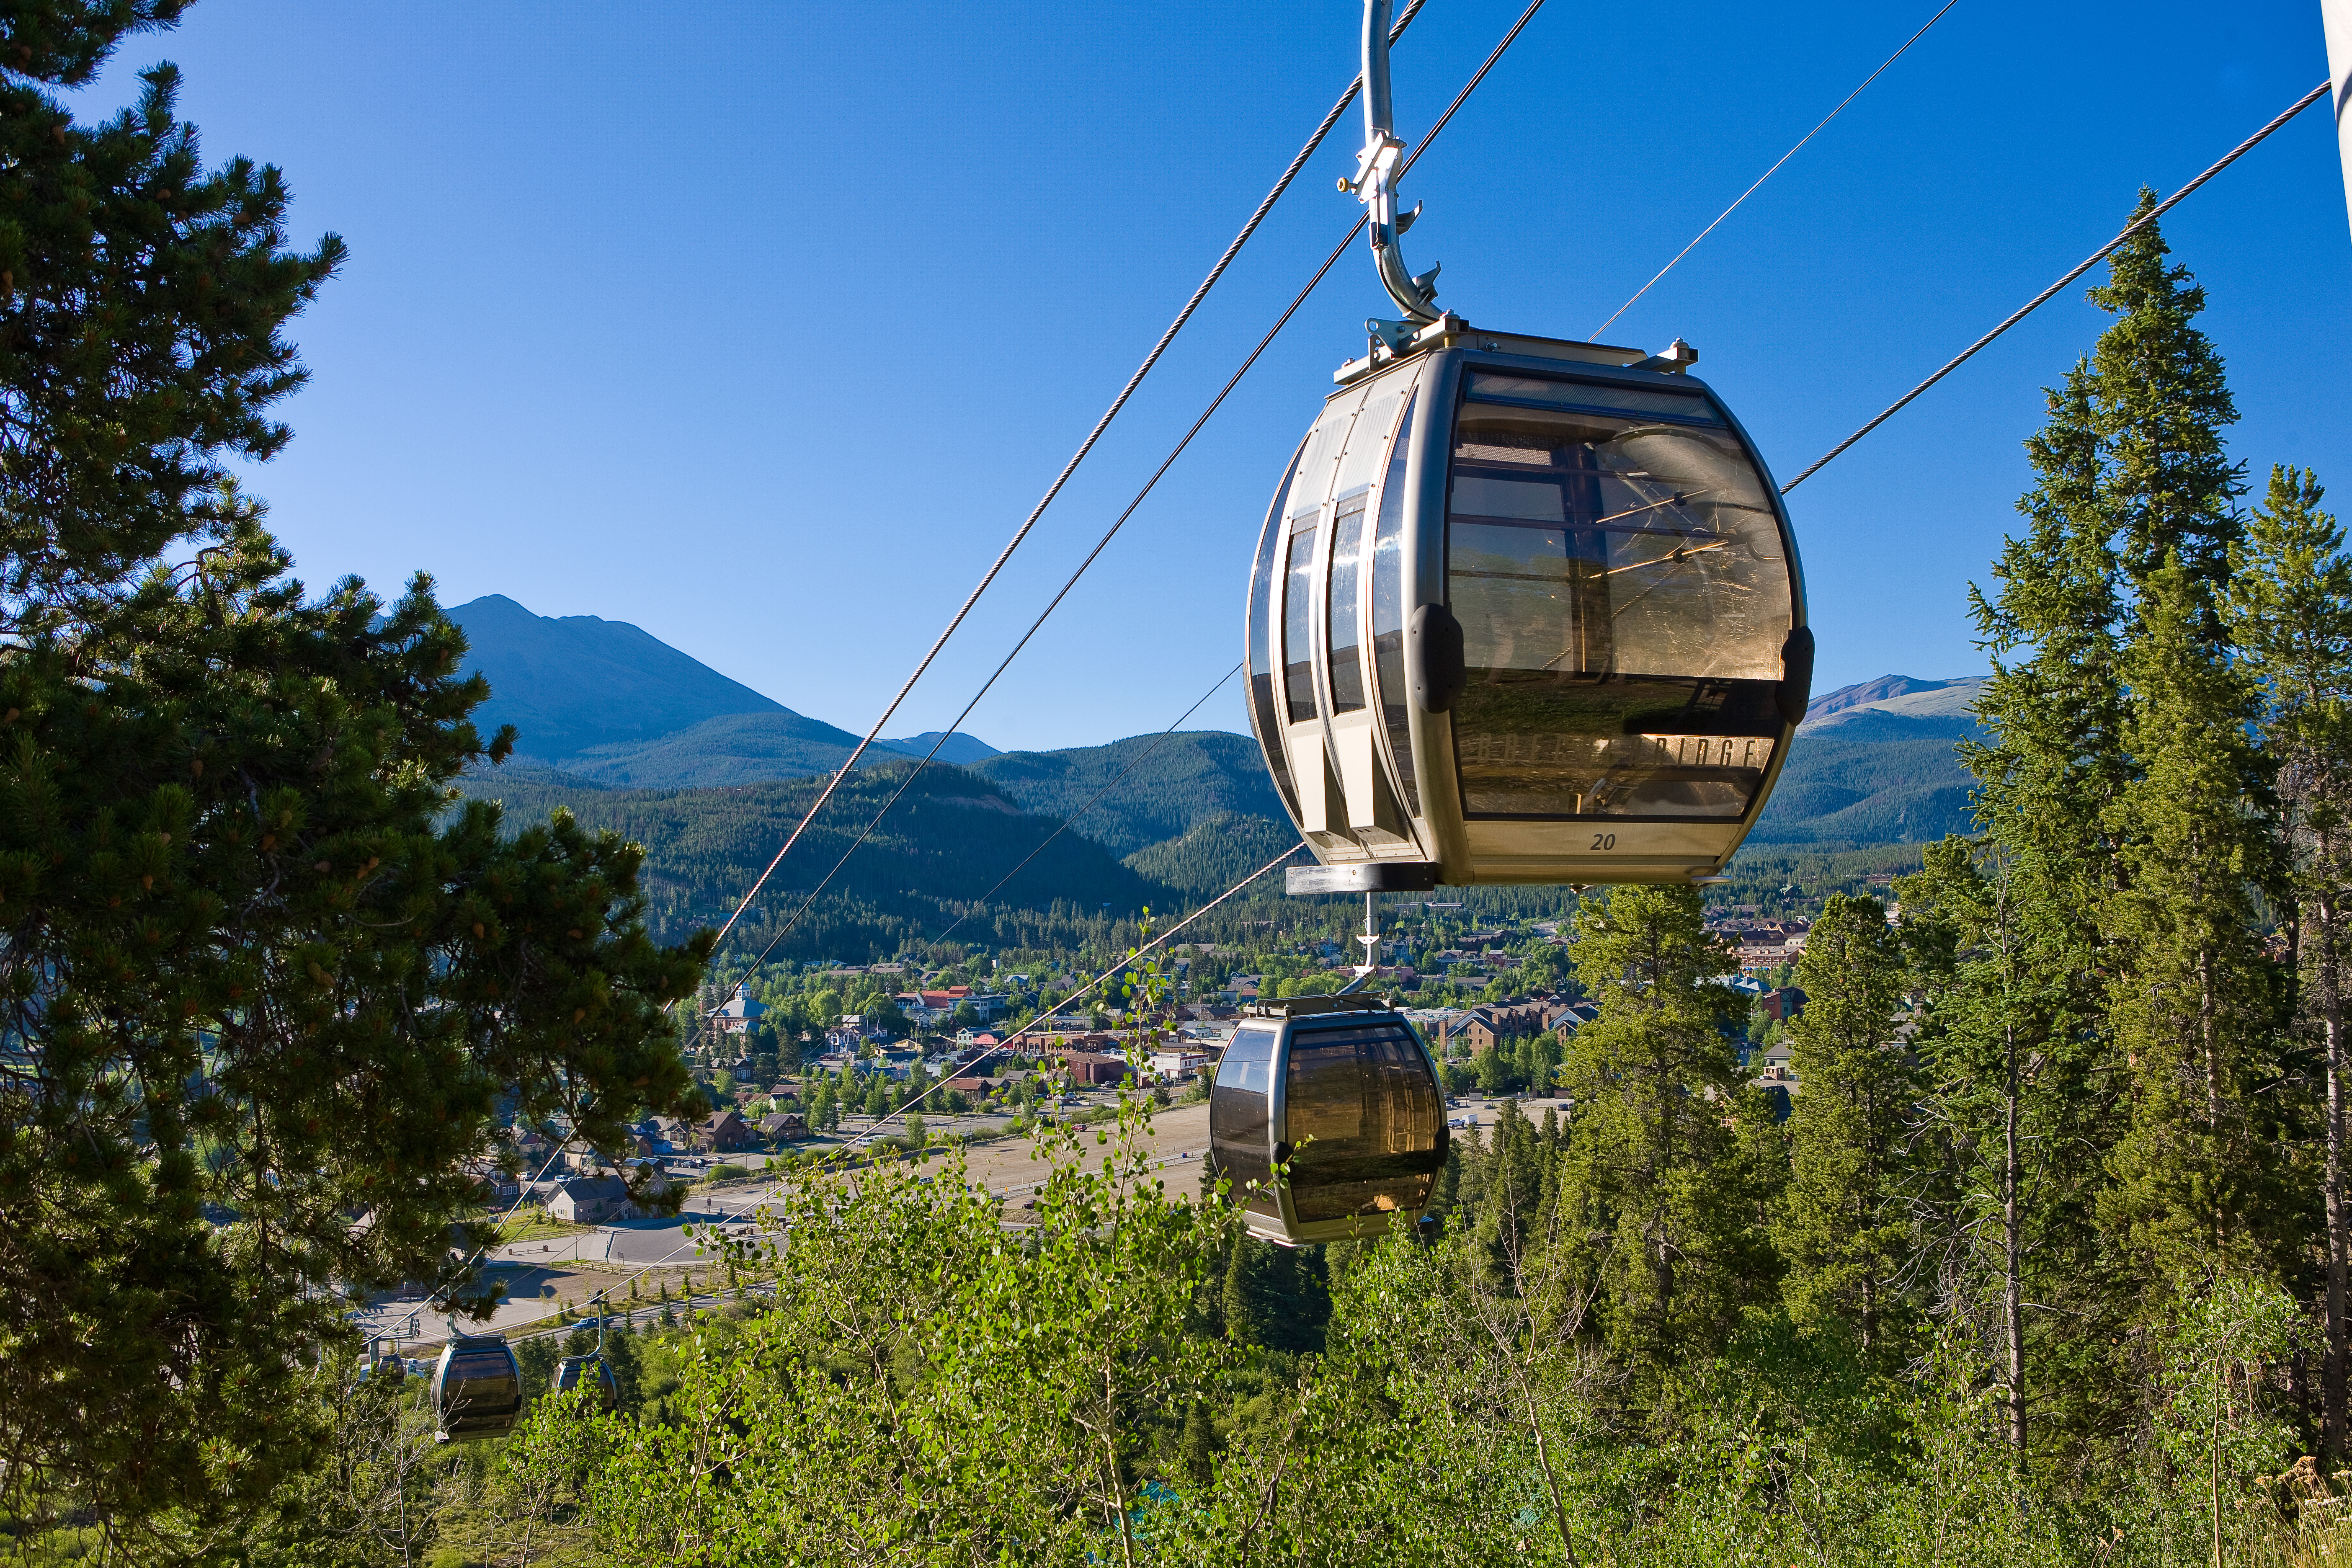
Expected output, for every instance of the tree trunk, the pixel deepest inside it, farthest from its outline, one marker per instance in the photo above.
(2013, 1183)
(2012, 1262)
(2327, 990)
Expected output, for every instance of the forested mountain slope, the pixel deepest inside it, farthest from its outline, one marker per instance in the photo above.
(942, 847)
(1881, 770)
(1192, 777)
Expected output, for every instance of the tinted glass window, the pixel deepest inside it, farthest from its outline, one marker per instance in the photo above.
(1346, 606)
(1240, 1139)
(1297, 638)
(1389, 618)
(1361, 1109)
(1616, 561)
(478, 1387)
(1543, 391)
(1263, 716)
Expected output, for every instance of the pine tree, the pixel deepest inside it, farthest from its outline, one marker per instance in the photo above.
(1245, 1293)
(1649, 1196)
(2008, 1041)
(2289, 609)
(2162, 402)
(1518, 1175)
(2197, 1177)
(262, 979)
(1845, 1225)
(2131, 473)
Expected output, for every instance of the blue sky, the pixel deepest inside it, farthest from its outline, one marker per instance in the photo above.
(762, 325)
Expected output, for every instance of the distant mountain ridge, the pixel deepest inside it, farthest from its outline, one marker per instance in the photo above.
(610, 701)
(1877, 763)
(604, 708)
(1873, 693)
(609, 707)
(575, 681)
(1953, 700)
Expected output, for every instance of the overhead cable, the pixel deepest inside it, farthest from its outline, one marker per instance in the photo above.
(2158, 211)
(1775, 169)
(1085, 447)
(1109, 534)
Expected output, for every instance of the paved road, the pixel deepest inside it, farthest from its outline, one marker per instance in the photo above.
(1482, 1115)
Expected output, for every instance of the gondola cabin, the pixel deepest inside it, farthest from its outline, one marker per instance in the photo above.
(477, 1389)
(1524, 610)
(591, 1370)
(1343, 1089)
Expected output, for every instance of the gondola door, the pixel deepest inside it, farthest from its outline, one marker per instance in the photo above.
(1375, 819)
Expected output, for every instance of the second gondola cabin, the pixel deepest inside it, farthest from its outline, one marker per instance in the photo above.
(1525, 610)
(1343, 1092)
(591, 1370)
(477, 1389)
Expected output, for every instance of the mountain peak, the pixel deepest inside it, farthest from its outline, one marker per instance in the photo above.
(570, 682)
(1878, 690)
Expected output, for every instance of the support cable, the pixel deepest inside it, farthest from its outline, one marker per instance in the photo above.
(1021, 533)
(1775, 169)
(2158, 211)
(1108, 535)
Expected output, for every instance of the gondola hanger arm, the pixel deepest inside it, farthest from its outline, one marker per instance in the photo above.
(1374, 184)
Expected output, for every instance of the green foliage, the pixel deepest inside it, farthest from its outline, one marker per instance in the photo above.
(1650, 1190)
(955, 1392)
(1845, 1225)
(2198, 1175)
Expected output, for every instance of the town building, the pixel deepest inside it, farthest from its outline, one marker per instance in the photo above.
(724, 1133)
(735, 1015)
(784, 1127)
(598, 1199)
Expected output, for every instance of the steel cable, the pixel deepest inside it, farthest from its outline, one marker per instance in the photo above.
(2158, 211)
(1775, 169)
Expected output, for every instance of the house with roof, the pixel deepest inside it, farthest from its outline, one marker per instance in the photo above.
(735, 1015)
(784, 1127)
(1569, 1017)
(592, 1200)
(1176, 1065)
(723, 1133)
